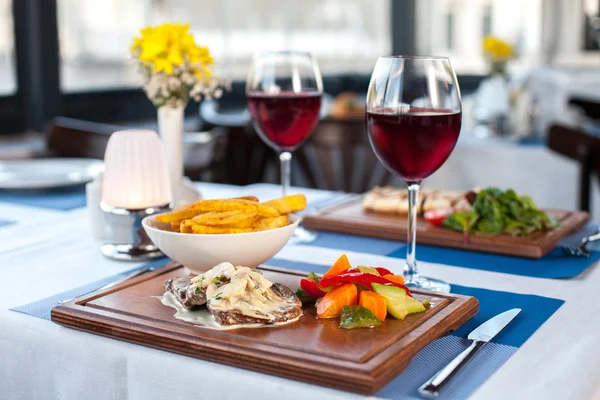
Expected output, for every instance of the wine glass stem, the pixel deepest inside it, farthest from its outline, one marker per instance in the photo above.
(285, 159)
(410, 269)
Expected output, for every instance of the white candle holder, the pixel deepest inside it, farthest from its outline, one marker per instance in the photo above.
(135, 184)
(125, 237)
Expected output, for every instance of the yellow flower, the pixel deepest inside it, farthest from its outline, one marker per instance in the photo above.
(496, 48)
(164, 46)
(161, 64)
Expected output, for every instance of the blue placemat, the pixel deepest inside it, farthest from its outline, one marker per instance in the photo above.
(536, 310)
(42, 308)
(56, 199)
(5, 222)
(554, 265)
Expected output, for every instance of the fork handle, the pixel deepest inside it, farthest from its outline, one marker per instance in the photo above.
(591, 238)
(432, 387)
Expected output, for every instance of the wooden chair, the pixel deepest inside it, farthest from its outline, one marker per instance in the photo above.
(68, 137)
(338, 156)
(580, 146)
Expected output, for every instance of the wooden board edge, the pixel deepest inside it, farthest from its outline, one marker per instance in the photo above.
(361, 379)
(356, 380)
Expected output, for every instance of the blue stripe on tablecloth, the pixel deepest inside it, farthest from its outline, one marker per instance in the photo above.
(56, 199)
(5, 222)
(535, 309)
(437, 355)
(42, 308)
(554, 265)
(360, 244)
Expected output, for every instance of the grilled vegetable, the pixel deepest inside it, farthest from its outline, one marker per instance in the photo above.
(342, 264)
(311, 288)
(358, 317)
(394, 278)
(330, 305)
(359, 278)
(395, 299)
(374, 302)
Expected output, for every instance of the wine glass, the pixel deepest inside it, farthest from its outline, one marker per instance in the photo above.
(284, 90)
(413, 120)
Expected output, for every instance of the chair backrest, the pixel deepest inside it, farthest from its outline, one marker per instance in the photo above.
(583, 147)
(68, 137)
(338, 156)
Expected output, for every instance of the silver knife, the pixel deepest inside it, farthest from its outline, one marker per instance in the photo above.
(480, 336)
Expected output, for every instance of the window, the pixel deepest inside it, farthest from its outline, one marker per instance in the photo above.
(517, 21)
(450, 30)
(543, 32)
(591, 34)
(8, 81)
(345, 35)
(487, 20)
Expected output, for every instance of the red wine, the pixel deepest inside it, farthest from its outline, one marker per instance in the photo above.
(284, 120)
(416, 143)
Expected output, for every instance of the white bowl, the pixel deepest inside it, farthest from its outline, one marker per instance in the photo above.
(200, 253)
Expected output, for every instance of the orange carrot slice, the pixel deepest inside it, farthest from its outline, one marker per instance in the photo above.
(395, 278)
(342, 264)
(330, 305)
(374, 302)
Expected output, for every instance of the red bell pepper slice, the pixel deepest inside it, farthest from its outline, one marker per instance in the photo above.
(359, 278)
(311, 288)
(436, 217)
(383, 271)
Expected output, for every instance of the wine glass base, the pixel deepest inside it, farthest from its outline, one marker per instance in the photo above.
(303, 236)
(434, 285)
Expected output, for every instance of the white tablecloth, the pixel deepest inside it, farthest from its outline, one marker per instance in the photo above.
(40, 360)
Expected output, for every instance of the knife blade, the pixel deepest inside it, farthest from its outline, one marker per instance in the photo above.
(479, 336)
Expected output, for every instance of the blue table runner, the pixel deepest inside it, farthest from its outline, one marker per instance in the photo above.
(554, 265)
(54, 199)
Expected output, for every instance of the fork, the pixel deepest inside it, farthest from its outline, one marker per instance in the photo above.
(581, 249)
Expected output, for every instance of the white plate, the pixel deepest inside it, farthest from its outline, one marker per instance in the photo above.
(48, 173)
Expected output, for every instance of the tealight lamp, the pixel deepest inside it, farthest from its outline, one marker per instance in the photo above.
(135, 184)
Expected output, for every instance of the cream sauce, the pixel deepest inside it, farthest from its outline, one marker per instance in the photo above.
(203, 317)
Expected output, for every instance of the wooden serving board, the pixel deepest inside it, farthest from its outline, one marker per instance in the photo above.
(352, 219)
(310, 350)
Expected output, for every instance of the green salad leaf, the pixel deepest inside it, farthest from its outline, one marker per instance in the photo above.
(495, 212)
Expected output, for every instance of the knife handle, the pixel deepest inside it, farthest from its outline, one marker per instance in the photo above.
(432, 387)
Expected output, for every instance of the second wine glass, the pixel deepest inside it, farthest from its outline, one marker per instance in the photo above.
(413, 120)
(284, 90)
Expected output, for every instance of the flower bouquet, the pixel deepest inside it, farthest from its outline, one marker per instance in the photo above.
(175, 69)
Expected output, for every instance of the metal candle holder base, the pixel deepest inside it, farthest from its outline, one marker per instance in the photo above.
(126, 239)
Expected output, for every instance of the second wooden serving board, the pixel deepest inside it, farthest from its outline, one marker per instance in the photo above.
(311, 350)
(352, 219)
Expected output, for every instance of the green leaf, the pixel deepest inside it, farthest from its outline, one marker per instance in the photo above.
(304, 298)
(313, 277)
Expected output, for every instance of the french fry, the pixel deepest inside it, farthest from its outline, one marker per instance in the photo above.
(176, 226)
(185, 212)
(186, 226)
(231, 219)
(270, 223)
(288, 204)
(266, 211)
(204, 229)
(204, 206)
(253, 199)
